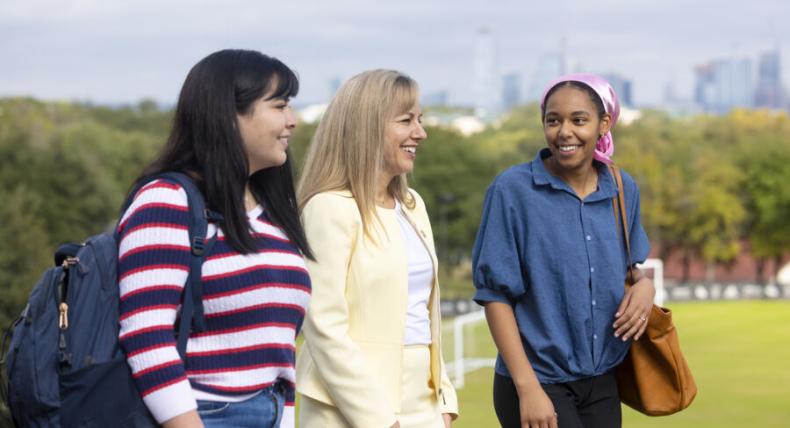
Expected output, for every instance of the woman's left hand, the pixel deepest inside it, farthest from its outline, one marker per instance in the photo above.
(631, 317)
(448, 420)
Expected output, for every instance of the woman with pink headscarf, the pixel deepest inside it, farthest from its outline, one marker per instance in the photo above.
(549, 267)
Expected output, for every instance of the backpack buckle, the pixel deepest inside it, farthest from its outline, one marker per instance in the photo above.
(69, 262)
(212, 216)
(198, 245)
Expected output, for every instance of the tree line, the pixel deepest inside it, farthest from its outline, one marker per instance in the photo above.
(708, 183)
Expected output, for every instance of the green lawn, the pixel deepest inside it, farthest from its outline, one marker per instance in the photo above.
(739, 353)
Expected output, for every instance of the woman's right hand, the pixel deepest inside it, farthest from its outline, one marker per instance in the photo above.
(537, 410)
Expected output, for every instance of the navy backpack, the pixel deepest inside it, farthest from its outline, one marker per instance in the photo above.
(64, 365)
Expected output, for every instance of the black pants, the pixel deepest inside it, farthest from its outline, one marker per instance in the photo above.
(586, 403)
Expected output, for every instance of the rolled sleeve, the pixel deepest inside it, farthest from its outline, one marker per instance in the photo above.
(496, 259)
(485, 295)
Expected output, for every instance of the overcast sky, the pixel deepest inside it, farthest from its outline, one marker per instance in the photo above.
(109, 51)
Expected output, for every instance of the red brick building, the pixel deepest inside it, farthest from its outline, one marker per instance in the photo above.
(744, 269)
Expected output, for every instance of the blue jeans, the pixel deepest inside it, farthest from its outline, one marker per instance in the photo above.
(261, 411)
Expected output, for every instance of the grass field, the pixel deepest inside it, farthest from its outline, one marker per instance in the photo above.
(739, 353)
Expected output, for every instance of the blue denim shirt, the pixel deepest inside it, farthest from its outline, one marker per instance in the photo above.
(560, 262)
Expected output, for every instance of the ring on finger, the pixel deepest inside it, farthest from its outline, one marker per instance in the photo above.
(643, 318)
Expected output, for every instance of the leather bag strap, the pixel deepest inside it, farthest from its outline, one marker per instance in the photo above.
(618, 203)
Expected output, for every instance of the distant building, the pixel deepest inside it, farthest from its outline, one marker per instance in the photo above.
(334, 85)
(438, 98)
(724, 84)
(549, 67)
(459, 119)
(486, 84)
(511, 90)
(770, 92)
(675, 105)
(628, 116)
(703, 86)
(468, 125)
(311, 113)
(622, 87)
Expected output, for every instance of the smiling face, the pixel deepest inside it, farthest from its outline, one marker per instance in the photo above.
(572, 127)
(265, 130)
(402, 135)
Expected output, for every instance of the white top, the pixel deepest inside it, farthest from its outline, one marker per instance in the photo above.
(418, 324)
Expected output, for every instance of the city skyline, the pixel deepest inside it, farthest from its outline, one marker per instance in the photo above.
(113, 52)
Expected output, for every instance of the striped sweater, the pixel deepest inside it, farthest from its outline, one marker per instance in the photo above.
(254, 306)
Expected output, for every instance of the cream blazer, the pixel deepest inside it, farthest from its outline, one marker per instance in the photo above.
(354, 327)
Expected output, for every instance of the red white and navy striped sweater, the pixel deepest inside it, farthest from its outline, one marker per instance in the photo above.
(254, 307)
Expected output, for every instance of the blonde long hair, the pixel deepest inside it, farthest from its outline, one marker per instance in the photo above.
(346, 150)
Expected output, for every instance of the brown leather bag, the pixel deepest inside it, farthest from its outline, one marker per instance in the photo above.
(654, 378)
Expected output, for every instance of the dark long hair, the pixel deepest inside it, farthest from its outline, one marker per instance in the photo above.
(205, 142)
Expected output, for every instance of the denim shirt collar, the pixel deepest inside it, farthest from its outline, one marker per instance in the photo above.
(541, 177)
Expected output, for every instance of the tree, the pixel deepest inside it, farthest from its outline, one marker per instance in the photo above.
(452, 178)
(764, 158)
(24, 254)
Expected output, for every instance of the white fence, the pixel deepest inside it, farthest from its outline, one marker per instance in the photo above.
(460, 365)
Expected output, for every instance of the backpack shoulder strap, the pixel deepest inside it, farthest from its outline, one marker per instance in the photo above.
(199, 218)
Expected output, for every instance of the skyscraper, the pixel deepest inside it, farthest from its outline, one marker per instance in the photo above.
(703, 86)
(334, 85)
(549, 67)
(433, 99)
(724, 84)
(486, 83)
(769, 92)
(511, 89)
(622, 87)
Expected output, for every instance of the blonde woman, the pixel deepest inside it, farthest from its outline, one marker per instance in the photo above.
(372, 353)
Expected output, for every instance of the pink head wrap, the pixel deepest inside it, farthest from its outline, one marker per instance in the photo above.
(604, 148)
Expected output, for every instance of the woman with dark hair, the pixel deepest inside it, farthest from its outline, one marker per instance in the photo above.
(550, 267)
(230, 135)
